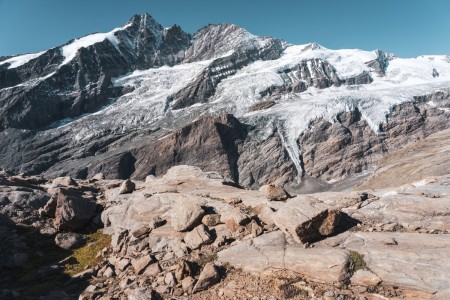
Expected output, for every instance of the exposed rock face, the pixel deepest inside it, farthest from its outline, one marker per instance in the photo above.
(84, 83)
(349, 146)
(312, 73)
(209, 143)
(271, 251)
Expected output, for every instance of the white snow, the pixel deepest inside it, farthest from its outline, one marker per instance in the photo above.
(69, 51)
(147, 104)
(20, 60)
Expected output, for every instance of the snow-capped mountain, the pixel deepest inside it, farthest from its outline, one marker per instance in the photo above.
(141, 98)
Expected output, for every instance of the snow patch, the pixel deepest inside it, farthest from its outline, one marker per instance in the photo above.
(20, 60)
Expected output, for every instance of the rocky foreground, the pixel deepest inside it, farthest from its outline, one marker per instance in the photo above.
(191, 234)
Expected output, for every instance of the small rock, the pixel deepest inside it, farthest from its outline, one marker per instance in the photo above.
(49, 209)
(264, 213)
(170, 279)
(187, 284)
(256, 229)
(127, 187)
(208, 277)
(211, 220)
(198, 237)
(140, 294)
(274, 193)
(140, 232)
(123, 264)
(140, 264)
(233, 200)
(153, 270)
(109, 272)
(365, 278)
(98, 177)
(69, 240)
(363, 196)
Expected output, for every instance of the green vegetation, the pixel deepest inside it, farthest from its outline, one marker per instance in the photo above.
(357, 261)
(86, 256)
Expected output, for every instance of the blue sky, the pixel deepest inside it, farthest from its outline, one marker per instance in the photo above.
(406, 27)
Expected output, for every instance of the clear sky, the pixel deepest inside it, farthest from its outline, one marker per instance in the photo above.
(406, 27)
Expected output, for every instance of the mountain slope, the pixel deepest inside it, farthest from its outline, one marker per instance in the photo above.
(103, 101)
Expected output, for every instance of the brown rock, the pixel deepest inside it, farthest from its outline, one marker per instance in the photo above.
(274, 193)
(153, 270)
(186, 213)
(187, 284)
(208, 277)
(211, 220)
(306, 220)
(127, 187)
(198, 237)
(365, 278)
(73, 210)
(140, 264)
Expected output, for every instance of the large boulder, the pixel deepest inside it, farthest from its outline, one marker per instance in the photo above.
(306, 219)
(186, 213)
(73, 210)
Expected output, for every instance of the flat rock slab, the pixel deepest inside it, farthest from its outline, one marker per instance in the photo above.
(409, 260)
(271, 252)
(426, 206)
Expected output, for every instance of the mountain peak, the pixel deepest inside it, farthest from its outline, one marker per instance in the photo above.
(145, 20)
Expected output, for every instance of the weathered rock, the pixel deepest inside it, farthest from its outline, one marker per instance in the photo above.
(140, 264)
(264, 213)
(64, 181)
(198, 237)
(73, 210)
(306, 220)
(70, 240)
(109, 272)
(365, 278)
(98, 176)
(187, 284)
(49, 209)
(211, 220)
(153, 270)
(397, 264)
(140, 294)
(123, 264)
(140, 232)
(170, 279)
(271, 252)
(127, 187)
(255, 229)
(274, 193)
(208, 277)
(186, 213)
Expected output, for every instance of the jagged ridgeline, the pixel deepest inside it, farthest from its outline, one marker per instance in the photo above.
(142, 98)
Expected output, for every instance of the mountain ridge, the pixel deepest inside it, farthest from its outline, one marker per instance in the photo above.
(140, 82)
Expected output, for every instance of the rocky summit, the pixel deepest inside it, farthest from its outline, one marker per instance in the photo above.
(151, 163)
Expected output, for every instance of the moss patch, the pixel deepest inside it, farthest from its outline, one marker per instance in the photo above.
(357, 261)
(85, 256)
